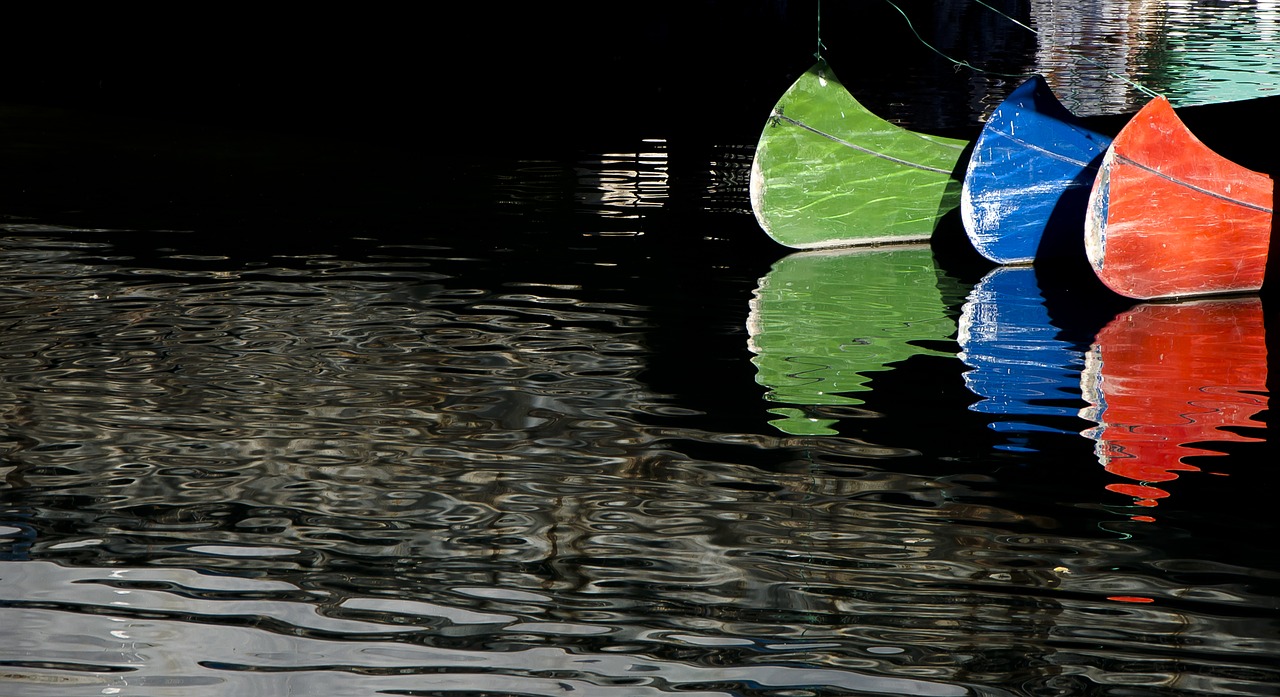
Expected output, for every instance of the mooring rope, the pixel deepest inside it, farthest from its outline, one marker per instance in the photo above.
(1132, 83)
(818, 52)
(966, 64)
(958, 63)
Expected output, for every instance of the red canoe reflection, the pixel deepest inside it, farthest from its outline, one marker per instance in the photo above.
(1162, 377)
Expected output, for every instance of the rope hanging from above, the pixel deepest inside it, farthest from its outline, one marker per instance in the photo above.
(818, 51)
(958, 63)
(966, 64)
(1140, 87)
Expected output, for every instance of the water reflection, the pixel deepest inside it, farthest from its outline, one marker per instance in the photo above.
(627, 181)
(517, 449)
(1020, 368)
(1168, 381)
(412, 468)
(353, 475)
(821, 322)
(145, 640)
(618, 192)
(1192, 51)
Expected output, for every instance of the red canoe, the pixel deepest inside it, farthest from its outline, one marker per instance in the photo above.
(1167, 381)
(1169, 217)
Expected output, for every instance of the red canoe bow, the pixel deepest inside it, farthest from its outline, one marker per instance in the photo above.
(1169, 217)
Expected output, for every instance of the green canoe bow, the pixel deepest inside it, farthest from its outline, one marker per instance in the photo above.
(822, 322)
(827, 172)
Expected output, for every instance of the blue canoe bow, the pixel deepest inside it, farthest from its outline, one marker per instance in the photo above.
(1027, 185)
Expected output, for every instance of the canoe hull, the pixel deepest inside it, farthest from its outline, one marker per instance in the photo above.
(829, 173)
(1168, 217)
(1028, 180)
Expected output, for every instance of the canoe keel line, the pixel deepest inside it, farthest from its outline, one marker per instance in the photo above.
(1168, 217)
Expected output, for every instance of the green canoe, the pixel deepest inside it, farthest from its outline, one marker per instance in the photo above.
(827, 172)
(822, 322)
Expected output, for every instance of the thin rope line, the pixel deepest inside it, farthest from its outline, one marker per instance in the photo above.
(1141, 88)
(818, 52)
(1011, 19)
(958, 63)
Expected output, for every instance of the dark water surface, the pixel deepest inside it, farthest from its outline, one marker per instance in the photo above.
(281, 416)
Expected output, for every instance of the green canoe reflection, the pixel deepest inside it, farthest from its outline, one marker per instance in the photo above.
(822, 322)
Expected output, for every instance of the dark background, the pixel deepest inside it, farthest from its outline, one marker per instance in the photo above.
(499, 75)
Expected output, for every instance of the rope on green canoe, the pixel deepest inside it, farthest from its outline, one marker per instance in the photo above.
(818, 52)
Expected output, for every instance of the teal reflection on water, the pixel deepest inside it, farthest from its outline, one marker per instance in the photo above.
(1192, 51)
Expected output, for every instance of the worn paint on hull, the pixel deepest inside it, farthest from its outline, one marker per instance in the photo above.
(1029, 177)
(1168, 217)
(827, 172)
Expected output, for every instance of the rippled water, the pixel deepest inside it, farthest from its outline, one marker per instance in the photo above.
(955, 60)
(573, 425)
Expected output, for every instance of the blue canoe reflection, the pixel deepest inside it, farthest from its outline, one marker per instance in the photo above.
(1020, 368)
(1165, 381)
(821, 322)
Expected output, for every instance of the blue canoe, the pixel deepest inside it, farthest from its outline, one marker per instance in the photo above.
(1027, 185)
